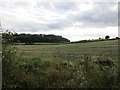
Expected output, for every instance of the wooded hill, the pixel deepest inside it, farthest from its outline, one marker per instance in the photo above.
(36, 38)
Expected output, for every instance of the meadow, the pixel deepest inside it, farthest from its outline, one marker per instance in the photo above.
(71, 51)
(76, 65)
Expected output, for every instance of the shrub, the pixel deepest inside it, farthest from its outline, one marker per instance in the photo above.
(10, 61)
(107, 37)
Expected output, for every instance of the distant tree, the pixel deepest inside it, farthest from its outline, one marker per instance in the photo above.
(34, 38)
(99, 38)
(117, 38)
(107, 37)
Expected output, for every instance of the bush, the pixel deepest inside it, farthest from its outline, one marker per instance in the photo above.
(10, 61)
(107, 37)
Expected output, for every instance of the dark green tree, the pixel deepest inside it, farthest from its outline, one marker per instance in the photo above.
(35, 38)
(107, 37)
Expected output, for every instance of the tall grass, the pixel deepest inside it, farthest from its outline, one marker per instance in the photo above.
(87, 72)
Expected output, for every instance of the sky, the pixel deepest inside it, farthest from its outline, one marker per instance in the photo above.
(72, 19)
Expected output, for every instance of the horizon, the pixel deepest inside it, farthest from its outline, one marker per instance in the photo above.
(70, 40)
(65, 37)
(72, 20)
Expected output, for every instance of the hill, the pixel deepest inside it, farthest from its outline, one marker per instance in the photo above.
(35, 38)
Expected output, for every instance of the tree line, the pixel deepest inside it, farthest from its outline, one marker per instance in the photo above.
(95, 40)
(35, 38)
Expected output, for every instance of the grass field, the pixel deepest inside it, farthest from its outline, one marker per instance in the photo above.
(78, 65)
(40, 43)
(71, 51)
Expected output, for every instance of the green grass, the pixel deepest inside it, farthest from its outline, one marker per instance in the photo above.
(40, 43)
(71, 50)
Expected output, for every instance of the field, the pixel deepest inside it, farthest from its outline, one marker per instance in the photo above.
(40, 43)
(71, 51)
(76, 65)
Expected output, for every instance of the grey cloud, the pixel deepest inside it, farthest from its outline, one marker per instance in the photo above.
(66, 6)
(13, 23)
(60, 24)
(100, 16)
(58, 7)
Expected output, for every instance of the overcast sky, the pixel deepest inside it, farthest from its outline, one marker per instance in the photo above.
(75, 20)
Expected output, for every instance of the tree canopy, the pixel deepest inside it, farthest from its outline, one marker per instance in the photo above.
(107, 37)
(36, 38)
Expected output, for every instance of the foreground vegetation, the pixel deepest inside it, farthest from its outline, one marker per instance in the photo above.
(85, 65)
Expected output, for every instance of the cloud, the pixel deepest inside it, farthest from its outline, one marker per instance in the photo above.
(62, 18)
(59, 24)
(19, 3)
(65, 6)
(101, 15)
